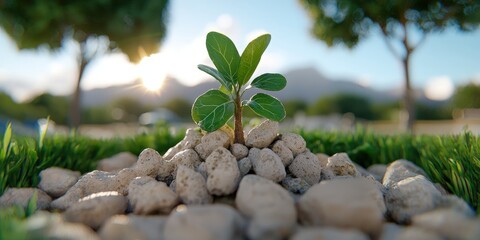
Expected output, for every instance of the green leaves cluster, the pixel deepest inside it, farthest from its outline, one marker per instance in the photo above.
(215, 108)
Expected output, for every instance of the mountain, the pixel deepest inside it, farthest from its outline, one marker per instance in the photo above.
(305, 84)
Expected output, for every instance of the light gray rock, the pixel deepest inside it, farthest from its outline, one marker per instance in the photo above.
(117, 162)
(127, 227)
(192, 138)
(95, 182)
(223, 173)
(285, 154)
(56, 181)
(244, 166)
(391, 231)
(449, 223)
(267, 164)
(212, 141)
(343, 203)
(165, 171)
(173, 185)
(361, 171)
(378, 171)
(204, 222)
(148, 196)
(295, 185)
(95, 209)
(341, 165)
(294, 142)
(455, 203)
(307, 167)
(327, 174)
(188, 158)
(262, 135)
(202, 169)
(441, 189)
(239, 150)
(328, 233)
(400, 170)
(149, 163)
(411, 196)
(191, 187)
(269, 206)
(379, 196)
(45, 225)
(323, 158)
(21, 197)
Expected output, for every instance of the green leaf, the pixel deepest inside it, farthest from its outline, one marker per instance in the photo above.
(212, 110)
(270, 82)
(224, 90)
(7, 137)
(215, 74)
(32, 205)
(251, 57)
(224, 55)
(267, 106)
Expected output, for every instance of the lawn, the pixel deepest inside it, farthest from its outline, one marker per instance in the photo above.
(451, 160)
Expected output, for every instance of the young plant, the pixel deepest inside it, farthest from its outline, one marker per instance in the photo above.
(216, 107)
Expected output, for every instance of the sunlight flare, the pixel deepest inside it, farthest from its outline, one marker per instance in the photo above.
(152, 72)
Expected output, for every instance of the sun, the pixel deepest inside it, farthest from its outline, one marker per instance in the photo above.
(151, 71)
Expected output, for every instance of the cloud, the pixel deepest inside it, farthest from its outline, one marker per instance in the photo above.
(111, 69)
(439, 88)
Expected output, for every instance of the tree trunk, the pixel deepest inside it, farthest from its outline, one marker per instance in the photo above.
(239, 138)
(75, 109)
(408, 101)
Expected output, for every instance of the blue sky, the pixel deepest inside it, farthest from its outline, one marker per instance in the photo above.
(444, 59)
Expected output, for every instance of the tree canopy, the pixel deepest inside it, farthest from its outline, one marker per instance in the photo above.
(467, 96)
(347, 22)
(343, 103)
(129, 25)
(135, 28)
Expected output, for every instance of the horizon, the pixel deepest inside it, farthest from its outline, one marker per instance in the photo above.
(444, 61)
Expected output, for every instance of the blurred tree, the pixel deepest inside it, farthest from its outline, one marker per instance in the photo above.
(426, 112)
(10, 108)
(294, 106)
(386, 110)
(179, 106)
(467, 96)
(349, 21)
(133, 27)
(130, 109)
(343, 103)
(97, 115)
(54, 106)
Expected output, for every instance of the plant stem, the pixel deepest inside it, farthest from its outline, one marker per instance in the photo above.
(239, 138)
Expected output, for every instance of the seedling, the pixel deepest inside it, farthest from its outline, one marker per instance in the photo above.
(216, 107)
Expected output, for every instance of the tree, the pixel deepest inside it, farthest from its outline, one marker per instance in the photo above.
(467, 96)
(133, 27)
(343, 103)
(294, 106)
(179, 106)
(131, 108)
(349, 21)
(55, 107)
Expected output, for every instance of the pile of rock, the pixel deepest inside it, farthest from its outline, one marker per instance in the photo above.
(272, 187)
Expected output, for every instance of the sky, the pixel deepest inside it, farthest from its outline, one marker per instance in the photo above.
(443, 61)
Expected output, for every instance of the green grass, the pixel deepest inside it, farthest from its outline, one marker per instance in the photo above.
(452, 161)
(22, 159)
